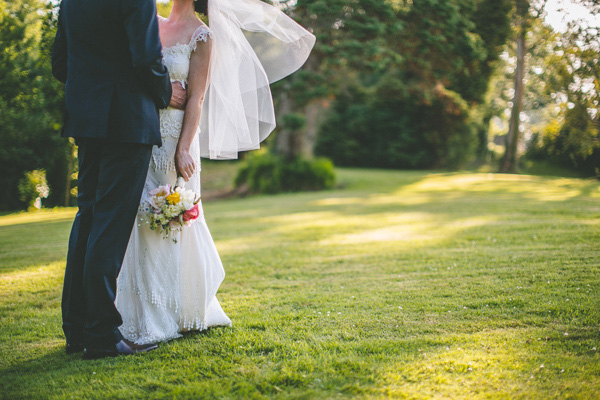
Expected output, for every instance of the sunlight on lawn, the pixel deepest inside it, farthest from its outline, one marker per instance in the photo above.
(491, 361)
(59, 214)
(417, 229)
(532, 187)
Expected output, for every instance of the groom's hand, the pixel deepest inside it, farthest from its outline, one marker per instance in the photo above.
(179, 96)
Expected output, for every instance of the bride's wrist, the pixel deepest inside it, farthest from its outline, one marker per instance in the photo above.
(183, 149)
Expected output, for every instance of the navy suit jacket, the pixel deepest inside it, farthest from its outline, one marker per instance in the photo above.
(108, 53)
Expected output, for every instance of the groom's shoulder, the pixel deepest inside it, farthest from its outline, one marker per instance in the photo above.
(92, 9)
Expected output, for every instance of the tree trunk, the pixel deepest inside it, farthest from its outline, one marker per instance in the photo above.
(287, 142)
(511, 158)
(313, 113)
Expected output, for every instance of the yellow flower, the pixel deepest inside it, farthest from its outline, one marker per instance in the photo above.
(173, 198)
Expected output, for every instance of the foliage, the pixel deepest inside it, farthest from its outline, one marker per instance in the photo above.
(290, 137)
(31, 101)
(420, 112)
(265, 172)
(575, 143)
(387, 129)
(164, 7)
(351, 43)
(351, 46)
(571, 79)
(398, 285)
(33, 187)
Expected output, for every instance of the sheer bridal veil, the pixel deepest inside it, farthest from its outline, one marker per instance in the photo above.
(254, 44)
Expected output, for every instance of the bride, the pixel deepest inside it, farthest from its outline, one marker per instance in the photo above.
(167, 287)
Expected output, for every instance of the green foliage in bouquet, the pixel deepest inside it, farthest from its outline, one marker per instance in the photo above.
(268, 173)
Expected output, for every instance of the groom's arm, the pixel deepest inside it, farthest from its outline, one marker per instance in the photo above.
(59, 50)
(141, 26)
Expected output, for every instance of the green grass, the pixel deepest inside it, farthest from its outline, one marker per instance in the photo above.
(217, 176)
(409, 285)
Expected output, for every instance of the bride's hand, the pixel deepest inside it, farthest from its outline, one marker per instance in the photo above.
(184, 163)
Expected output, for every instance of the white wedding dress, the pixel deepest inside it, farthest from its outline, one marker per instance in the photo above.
(166, 288)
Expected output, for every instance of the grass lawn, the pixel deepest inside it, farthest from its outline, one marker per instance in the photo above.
(411, 285)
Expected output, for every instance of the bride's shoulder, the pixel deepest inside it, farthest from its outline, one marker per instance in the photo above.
(202, 33)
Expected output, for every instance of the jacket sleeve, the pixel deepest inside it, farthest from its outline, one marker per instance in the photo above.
(59, 51)
(141, 25)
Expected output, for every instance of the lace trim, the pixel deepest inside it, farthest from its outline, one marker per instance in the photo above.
(200, 34)
(180, 48)
(197, 324)
(163, 160)
(144, 337)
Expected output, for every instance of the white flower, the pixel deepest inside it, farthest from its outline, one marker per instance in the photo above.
(158, 195)
(187, 198)
(157, 202)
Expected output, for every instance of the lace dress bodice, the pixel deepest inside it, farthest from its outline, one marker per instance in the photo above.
(177, 57)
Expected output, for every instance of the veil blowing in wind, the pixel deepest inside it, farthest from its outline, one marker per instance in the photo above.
(254, 45)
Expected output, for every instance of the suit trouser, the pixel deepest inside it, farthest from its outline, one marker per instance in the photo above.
(110, 184)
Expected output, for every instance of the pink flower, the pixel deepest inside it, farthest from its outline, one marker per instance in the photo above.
(161, 191)
(158, 195)
(191, 214)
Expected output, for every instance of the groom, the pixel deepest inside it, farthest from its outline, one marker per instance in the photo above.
(108, 53)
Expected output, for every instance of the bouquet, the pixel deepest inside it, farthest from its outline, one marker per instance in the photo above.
(171, 208)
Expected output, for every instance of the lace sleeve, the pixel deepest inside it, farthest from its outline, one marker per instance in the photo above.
(200, 34)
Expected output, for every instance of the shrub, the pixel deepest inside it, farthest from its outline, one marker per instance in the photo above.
(33, 187)
(388, 127)
(265, 172)
(574, 144)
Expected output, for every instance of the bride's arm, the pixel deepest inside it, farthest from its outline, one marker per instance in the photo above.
(197, 81)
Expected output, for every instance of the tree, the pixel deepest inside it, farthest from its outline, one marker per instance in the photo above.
(573, 80)
(351, 42)
(525, 12)
(416, 108)
(30, 102)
